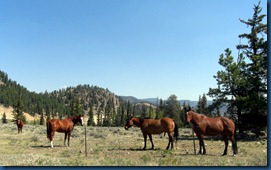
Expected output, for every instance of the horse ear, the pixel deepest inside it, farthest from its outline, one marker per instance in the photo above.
(129, 118)
(189, 108)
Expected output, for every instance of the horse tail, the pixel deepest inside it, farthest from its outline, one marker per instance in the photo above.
(176, 131)
(235, 141)
(48, 130)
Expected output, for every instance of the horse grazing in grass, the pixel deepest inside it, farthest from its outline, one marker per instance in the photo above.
(20, 125)
(63, 126)
(154, 126)
(204, 125)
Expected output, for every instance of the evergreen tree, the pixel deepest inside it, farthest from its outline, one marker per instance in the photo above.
(118, 117)
(143, 111)
(152, 113)
(4, 118)
(123, 116)
(18, 112)
(76, 108)
(90, 121)
(173, 109)
(99, 118)
(48, 117)
(107, 118)
(202, 105)
(256, 69)
(129, 109)
(243, 83)
(41, 119)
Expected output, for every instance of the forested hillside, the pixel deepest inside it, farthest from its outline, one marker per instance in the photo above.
(12, 92)
(103, 107)
(64, 102)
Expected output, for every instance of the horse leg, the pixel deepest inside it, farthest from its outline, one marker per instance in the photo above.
(150, 136)
(65, 138)
(234, 145)
(200, 137)
(170, 141)
(69, 135)
(199, 146)
(51, 139)
(226, 146)
(145, 138)
(204, 150)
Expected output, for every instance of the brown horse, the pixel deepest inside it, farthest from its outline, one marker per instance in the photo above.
(204, 125)
(20, 125)
(64, 126)
(154, 126)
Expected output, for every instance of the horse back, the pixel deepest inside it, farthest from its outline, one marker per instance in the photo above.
(60, 125)
(218, 125)
(157, 126)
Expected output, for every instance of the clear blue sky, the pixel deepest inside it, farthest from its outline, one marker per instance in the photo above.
(141, 48)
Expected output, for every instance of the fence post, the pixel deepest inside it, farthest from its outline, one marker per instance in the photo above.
(86, 140)
(194, 140)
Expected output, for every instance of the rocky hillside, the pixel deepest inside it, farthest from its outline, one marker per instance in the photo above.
(59, 103)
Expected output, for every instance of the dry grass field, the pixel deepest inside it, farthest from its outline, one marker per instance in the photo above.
(118, 147)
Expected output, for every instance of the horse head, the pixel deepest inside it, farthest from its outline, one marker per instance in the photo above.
(129, 123)
(188, 114)
(78, 119)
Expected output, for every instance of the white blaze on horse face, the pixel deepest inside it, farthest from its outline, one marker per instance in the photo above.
(187, 117)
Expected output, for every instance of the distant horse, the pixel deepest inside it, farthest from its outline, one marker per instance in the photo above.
(204, 125)
(20, 125)
(64, 126)
(154, 126)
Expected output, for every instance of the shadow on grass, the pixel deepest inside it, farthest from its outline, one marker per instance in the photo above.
(134, 149)
(47, 146)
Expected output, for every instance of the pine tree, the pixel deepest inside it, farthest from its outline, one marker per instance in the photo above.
(256, 52)
(243, 83)
(41, 119)
(18, 112)
(90, 121)
(75, 107)
(202, 105)
(4, 118)
(173, 108)
(48, 117)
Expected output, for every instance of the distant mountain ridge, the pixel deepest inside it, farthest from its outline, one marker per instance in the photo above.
(154, 101)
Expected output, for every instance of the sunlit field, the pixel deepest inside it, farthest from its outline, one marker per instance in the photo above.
(115, 146)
